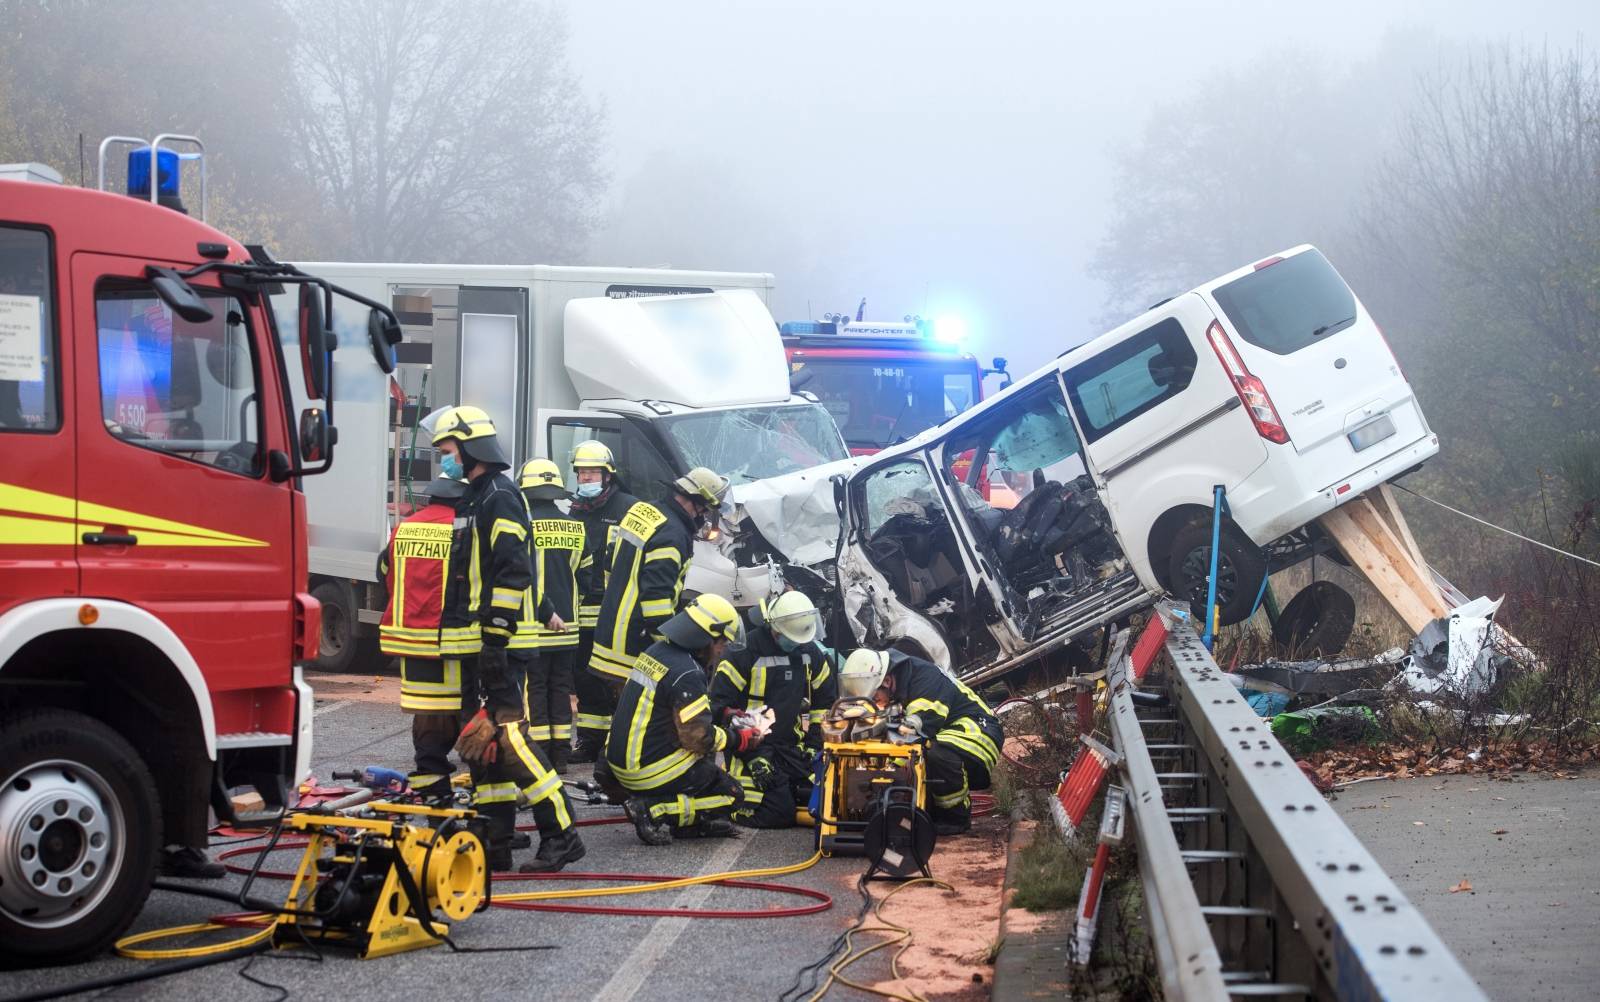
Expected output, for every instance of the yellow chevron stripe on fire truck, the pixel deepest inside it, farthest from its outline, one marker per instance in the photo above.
(35, 518)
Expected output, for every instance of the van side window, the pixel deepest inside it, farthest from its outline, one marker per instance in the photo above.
(640, 467)
(1129, 378)
(27, 333)
(188, 390)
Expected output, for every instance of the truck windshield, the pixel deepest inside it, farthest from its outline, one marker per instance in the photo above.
(879, 402)
(752, 443)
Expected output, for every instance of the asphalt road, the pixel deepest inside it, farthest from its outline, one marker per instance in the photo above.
(1526, 929)
(595, 957)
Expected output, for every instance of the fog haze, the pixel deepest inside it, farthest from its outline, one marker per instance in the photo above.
(941, 158)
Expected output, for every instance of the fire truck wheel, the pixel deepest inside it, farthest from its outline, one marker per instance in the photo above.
(337, 649)
(79, 833)
(1241, 567)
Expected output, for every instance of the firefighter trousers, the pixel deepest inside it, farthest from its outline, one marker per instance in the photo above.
(520, 766)
(702, 793)
(775, 780)
(430, 690)
(597, 700)
(960, 758)
(550, 695)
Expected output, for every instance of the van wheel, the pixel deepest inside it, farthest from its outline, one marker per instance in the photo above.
(337, 649)
(1316, 623)
(1241, 567)
(79, 830)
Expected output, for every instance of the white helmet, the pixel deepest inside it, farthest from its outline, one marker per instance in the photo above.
(863, 672)
(793, 617)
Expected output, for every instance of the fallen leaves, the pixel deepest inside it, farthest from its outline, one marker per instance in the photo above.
(1465, 885)
(1335, 766)
(1500, 831)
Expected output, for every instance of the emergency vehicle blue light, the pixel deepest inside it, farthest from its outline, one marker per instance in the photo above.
(950, 330)
(139, 172)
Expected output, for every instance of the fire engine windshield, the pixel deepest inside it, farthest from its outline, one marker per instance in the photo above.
(879, 402)
(753, 443)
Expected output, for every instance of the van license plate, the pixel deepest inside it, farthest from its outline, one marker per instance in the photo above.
(1371, 433)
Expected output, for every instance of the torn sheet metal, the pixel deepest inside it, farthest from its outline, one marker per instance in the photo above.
(1456, 654)
(1326, 678)
(795, 513)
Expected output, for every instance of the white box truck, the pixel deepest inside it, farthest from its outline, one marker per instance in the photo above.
(671, 369)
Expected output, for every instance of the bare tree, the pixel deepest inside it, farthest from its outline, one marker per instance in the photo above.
(445, 131)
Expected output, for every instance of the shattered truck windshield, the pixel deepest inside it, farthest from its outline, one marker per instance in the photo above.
(753, 443)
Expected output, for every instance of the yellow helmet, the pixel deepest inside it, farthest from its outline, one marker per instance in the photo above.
(703, 485)
(474, 430)
(542, 479)
(592, 453)
(706, 619)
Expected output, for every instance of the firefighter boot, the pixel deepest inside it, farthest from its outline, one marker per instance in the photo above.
(587, 750)
(720, 826)
(555, 853)
(649, 830)
(956, 821)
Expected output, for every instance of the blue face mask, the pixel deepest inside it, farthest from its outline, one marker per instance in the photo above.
(591, 489)
(786, 644)
(451, 465)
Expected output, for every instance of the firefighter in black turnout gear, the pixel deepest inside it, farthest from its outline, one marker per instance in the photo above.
(661, 754)
(549, 626)
(649, 557)
(489, 573)
(961, 734)
(599, 501)
(783, 668)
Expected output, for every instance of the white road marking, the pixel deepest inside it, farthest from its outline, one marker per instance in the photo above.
(655, 945)
(330, 707)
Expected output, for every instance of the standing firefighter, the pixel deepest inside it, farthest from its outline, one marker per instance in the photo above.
(549, 615)
(783, 668)
(661, 755)
(413, 569)
(600, 501)
(489, 572)
(962, 734)
(649, 559)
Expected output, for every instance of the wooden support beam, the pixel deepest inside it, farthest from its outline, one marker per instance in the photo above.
(1377, 554)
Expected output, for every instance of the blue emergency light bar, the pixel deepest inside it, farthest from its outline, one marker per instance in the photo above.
(139, 172)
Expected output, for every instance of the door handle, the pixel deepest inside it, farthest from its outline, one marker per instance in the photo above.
(110, 538)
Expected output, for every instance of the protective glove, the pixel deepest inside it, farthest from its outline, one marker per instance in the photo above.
(479, 741)
(745, 738)
(763, 773)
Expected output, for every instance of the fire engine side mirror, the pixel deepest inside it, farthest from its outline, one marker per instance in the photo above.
(178, 296)
(383, 330)
(315, 343)
(315, 435)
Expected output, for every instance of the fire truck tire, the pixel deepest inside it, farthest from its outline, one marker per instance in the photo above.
(1241, 567)
(337, 649)
(79, 834)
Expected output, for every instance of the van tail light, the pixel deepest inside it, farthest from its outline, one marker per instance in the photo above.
(1250, 388)
(1385, 339)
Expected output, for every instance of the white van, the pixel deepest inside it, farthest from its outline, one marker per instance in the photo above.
(1084, 491)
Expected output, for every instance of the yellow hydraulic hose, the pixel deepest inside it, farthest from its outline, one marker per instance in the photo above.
(902, 937)
(661, 885)
(125, 945)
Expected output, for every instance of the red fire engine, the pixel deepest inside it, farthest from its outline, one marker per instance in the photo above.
(884, 381)
(156, 424)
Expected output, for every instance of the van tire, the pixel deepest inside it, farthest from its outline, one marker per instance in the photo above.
(109, 789)
(336, 651)
(1241, 567)
(1317, 622)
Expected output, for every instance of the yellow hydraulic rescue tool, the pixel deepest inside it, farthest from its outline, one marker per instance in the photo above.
(377, 883)
(874, 795)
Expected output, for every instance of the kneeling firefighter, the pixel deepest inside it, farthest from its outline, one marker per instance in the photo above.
(660, 755)
(783, 668)
(490, 570)
(961, 733)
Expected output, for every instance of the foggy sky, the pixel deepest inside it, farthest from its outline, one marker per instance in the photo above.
(936, 157)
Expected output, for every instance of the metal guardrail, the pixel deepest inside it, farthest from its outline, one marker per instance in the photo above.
(1254, 886)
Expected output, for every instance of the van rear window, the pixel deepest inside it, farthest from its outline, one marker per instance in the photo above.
(1288, 305)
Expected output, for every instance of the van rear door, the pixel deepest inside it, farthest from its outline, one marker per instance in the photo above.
(1324, 362)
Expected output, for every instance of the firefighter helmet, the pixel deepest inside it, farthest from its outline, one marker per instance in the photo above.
(474, 431)
(541, 479)
(704, 620)
(703, 485)
(443, 488)
(792, 616)
(863, 672)
(594, 454)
